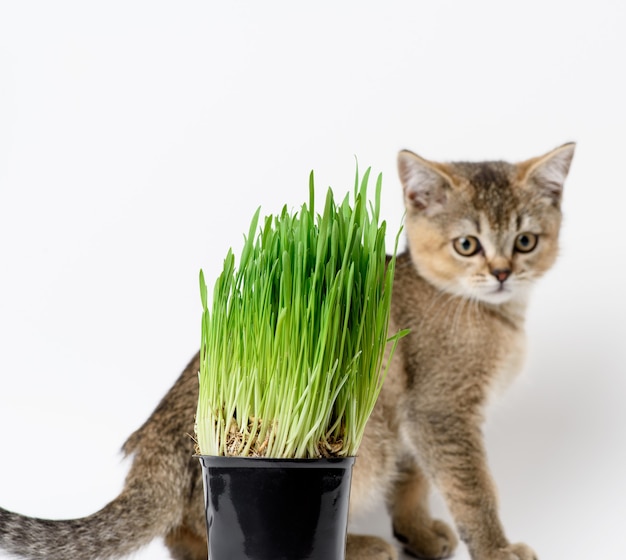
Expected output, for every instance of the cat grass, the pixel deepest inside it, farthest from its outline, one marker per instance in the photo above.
(293, 343)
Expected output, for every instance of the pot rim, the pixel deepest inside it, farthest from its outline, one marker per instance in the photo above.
(251, 462)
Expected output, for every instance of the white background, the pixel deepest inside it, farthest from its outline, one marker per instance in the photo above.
(137, 139)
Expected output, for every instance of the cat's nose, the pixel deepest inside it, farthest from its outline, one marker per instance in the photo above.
(501, 274)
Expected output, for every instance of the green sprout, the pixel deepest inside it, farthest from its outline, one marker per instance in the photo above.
(292, 350)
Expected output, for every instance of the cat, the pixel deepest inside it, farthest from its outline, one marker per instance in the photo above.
(478, 236)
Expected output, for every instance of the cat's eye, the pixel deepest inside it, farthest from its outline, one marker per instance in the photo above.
(526, 242)
(466, 246)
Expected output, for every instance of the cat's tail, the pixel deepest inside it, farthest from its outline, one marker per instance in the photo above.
(150, 505)
(138, 515)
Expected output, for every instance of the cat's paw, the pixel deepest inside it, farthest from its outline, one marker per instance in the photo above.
(363, 547)
(517, 551)
(429, 541)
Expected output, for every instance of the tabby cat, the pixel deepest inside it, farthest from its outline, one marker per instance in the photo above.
(479, 235)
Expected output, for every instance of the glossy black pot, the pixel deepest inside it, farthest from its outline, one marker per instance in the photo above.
(276, 509)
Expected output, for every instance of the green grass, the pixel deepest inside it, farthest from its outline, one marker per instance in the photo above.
(294, 341)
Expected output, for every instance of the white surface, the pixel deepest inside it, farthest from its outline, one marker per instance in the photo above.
(137, 138)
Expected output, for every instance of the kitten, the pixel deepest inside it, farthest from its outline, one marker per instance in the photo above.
(479, 235)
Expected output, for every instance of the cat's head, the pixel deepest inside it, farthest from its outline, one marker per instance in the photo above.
(484, 230)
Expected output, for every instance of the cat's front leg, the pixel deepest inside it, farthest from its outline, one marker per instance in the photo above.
(407, 502)
(451, 450)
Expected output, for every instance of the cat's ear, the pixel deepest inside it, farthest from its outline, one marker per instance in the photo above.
(547, 173)
(426, 187)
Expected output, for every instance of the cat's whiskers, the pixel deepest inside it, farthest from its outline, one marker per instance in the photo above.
(473, 309)
(458, 315)
(444, 304)
(434, 300)
(451, 318)
(457, 311)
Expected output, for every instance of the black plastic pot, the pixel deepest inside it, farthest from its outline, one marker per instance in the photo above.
(276, 509)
